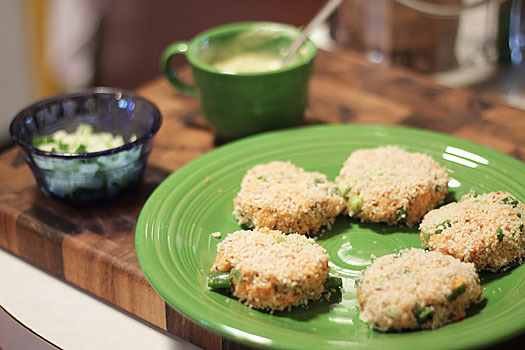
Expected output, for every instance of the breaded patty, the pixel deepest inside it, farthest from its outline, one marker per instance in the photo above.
(388, 184)
(416, 289)
(487, 230)
(283, 197)
(275, 271)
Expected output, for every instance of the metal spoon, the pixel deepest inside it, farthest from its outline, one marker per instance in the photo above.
(319, 18)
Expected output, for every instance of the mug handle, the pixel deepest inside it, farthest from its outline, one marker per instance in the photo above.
(169, 72)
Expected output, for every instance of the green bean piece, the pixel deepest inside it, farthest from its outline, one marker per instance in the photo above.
(426, 235)
(423, 315)
(218, 280)
(518, 215)
(457, 292)
(347, 191)
(356, 203)
(237, 274)
(438, 231)
(222, 280)
(333, 282)
(499, 233)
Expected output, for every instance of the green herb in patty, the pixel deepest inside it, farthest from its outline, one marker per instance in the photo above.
(347, 191)
(280, 239)
(335, 190)
(422, 315)
(499, 233)
(401, 214)
(510, 200)
(355, 204)
(457, 292)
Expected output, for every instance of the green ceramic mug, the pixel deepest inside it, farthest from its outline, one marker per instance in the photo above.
(240, 87)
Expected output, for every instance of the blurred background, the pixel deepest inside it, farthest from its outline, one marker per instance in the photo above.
(55, 46)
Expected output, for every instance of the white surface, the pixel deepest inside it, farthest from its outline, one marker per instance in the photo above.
(70, 318)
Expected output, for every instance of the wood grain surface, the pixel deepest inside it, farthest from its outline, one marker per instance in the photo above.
(94, 248)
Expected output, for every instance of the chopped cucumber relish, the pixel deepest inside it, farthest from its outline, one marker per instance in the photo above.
(83, 140)
(84, 179)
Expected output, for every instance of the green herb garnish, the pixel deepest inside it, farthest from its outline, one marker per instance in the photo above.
(262, 178)
(280, 239)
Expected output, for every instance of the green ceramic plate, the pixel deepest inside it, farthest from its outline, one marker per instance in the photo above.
(176, 250)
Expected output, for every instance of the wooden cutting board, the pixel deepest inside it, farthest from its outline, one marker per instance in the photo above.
(93, 248)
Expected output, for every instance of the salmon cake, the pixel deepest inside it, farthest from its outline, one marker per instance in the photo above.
(487, 230)
(416, 289)
(390, 185)
(271, 270)
(284, 197)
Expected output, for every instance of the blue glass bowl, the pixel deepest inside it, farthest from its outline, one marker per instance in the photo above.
(89, 178)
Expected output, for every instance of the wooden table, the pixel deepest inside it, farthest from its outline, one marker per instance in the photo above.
(94, 248)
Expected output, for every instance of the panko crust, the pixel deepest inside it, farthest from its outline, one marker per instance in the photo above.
(277, 271)
(392, 185)
(487, 230)
(416, 289)
(281, 196)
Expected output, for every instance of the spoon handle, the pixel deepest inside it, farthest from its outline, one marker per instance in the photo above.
(326, 11)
